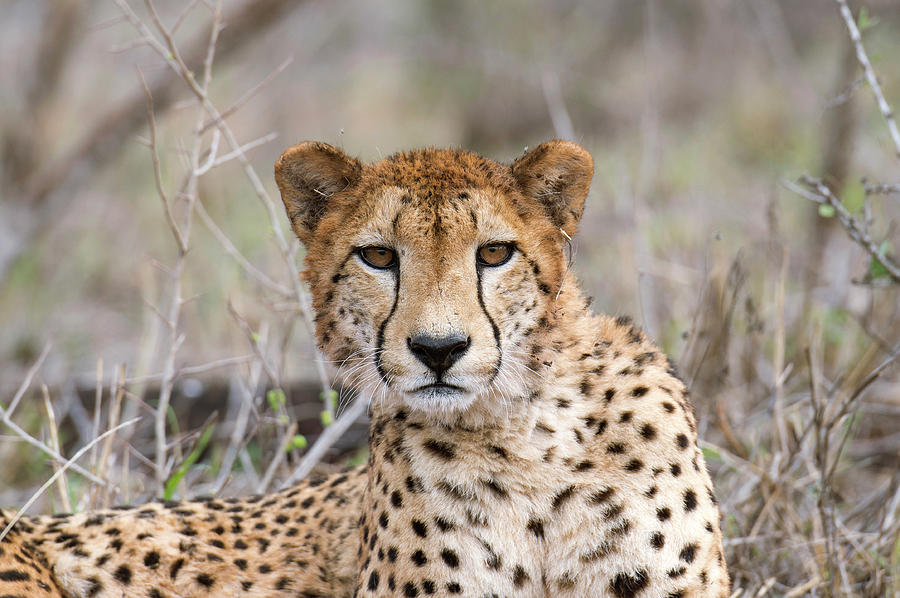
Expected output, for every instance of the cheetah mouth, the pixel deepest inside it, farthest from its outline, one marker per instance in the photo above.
(438, 398)
(439, 388)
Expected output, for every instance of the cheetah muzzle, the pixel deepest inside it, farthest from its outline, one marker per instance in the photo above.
(520, 446)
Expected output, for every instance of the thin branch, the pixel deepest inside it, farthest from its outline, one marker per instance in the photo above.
(26, 383)
(863, 59)
(66, 465)
(157, 171)
(248, 95)
(882, 189)
(822, 195)
(329, 436)
(194, 369)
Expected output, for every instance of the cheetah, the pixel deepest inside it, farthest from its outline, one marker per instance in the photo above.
(520, 445)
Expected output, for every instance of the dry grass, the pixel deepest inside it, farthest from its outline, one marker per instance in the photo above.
(789, 344)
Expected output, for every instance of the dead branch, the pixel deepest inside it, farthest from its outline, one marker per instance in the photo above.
(863, 59)
(819, 193)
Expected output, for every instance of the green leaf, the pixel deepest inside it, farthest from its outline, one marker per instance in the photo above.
(853, 196)
(326, 417)
(711, 454)
(864, 21)
(255, 337)
(876, 269)
(276, 399)
(298, 442)
(332, 396)
(826, 211)
(185, 466)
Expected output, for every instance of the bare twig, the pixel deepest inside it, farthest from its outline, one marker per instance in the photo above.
(54, 443)
(157, 171)
(822, 195)
(329, 436)
(26, 382)
(68, 463)
(863, 59)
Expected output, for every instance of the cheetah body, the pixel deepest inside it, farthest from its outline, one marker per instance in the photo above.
(520, 446)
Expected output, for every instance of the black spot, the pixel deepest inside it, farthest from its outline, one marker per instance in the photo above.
(392, 554)
(648, 432)
(609, 394)
(586, 388)
(450, 557)
(601, 427)
(663, 513)
(499, 451)
(682, 441)
(584, 466)
(673, 573)
(419, 558)
(151, 559)
(634, 465)
(205, 580)
(687, 553)
(443, 524)
(669, 407)
(520, 577)
(602, 496)
(616, 448)
(536, 526)
(625, 585)
(562, 496)
(657, 540)
(651, 491)
(444, 450)
(410, 590)
(690, 501)
(414, 484)
(13, 575)
(675, 468)
(639, 391)
(383, 519)
(623, 320)
(428, 586)
(454, 588)
(495, 487)
(542, 427)
(123, 575)
(419, 528)
(396, 499)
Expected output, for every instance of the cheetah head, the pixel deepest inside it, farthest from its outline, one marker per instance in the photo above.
(436, 274)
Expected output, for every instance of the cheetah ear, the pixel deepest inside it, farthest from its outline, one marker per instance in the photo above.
(558, 175)
(308, 174)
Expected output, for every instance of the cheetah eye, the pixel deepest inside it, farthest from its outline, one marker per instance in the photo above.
(495, 254)
(378, 257)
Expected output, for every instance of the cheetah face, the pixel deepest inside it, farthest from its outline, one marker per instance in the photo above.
(435, 273)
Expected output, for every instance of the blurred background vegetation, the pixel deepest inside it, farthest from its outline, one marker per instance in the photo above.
(695, 112)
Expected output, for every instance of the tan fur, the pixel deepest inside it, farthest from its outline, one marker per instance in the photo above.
(555, 454)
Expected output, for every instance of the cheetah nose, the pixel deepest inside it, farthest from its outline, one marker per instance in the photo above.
(438, 352)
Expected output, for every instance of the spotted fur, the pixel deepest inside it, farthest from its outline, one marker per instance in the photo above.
(520, 446)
